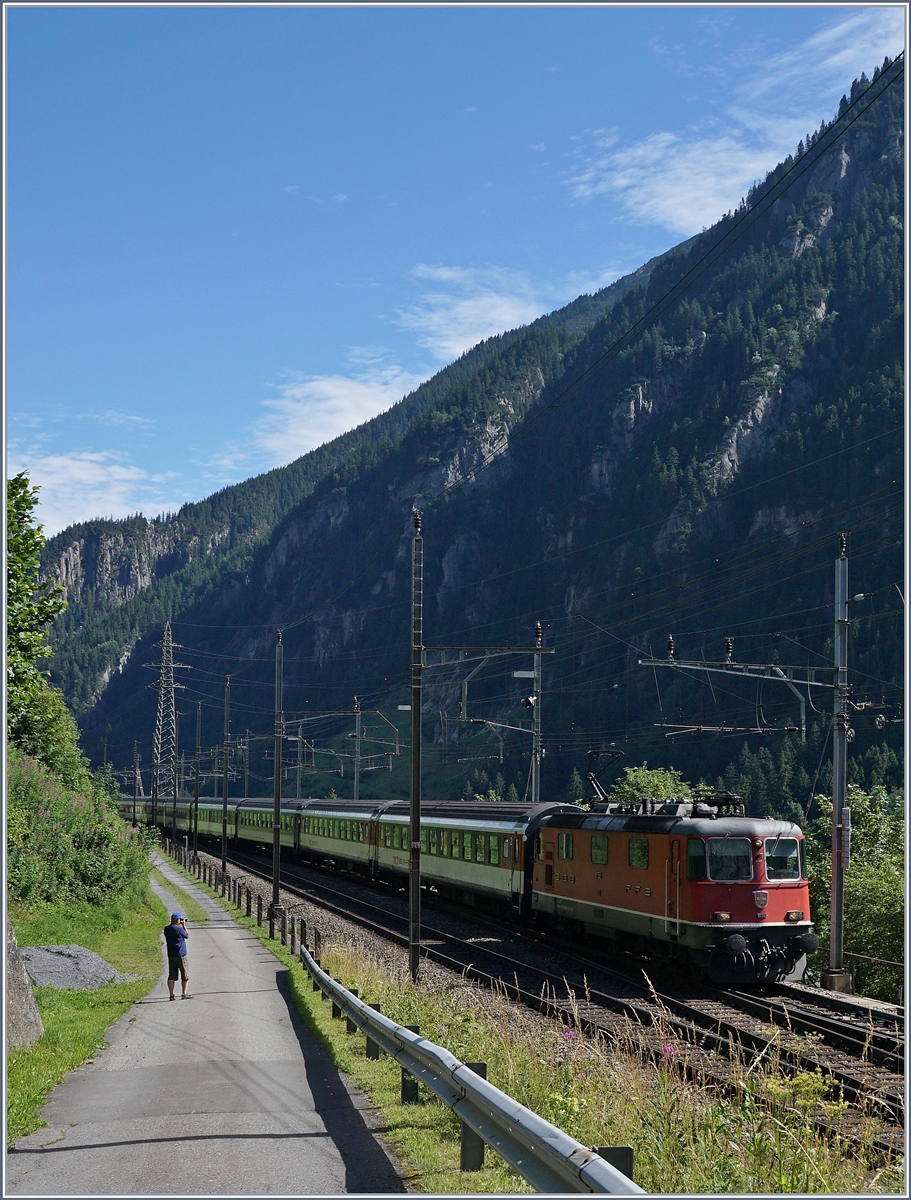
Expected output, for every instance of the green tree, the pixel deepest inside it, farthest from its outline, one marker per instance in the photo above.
(31, 606)
(38, 720)
(874, 886)
(575, 789)
(657, 783)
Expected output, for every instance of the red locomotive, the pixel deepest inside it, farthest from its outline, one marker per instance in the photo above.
(693, 881)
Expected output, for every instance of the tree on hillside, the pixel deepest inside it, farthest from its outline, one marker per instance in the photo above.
(874, 886)
(657, 783)
(38, 720)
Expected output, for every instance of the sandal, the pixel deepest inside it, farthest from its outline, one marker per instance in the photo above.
(186, 996)
(172, 997)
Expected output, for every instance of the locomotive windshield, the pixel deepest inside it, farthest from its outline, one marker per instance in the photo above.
(781, 858)
(730, 858)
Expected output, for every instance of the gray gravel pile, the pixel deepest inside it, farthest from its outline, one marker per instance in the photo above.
(69, 967)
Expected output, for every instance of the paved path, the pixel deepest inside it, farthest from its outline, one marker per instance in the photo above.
(224, 1094)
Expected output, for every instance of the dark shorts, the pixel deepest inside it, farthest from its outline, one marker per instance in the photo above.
(178, 968)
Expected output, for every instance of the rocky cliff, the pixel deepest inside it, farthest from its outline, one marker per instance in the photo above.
(693, 482)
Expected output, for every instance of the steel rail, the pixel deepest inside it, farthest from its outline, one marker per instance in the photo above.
(687, 1021)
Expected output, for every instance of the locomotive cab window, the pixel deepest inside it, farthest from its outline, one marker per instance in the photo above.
(695, 859)
(599, 848)
(781, 858)
(638, 853)
(564, 845)
(730, 859)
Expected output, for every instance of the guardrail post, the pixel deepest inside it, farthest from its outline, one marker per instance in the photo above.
(350, 1026)
(317, 944)
(284, 927)
(471, 1152)
(373, 1050)
(249, 900)
(336, 1008)
(259, 910)
(620, 1157)
(303, 932)
(409, 1083)
(271, 922)
(315, 984)
(224, 882)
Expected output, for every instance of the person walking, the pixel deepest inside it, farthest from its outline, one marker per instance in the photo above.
(176, 935)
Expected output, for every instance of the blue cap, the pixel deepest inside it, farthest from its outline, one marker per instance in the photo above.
(177, 917)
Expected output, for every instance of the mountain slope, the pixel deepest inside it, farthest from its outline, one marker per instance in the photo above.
(693, 485)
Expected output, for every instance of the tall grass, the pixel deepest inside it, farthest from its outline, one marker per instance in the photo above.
(760, 1135)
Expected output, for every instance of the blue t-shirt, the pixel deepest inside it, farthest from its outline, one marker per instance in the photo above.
(176, 937)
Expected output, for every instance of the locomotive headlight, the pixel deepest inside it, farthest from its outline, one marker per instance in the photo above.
(721, 916)
(760, 899)
(794, 915)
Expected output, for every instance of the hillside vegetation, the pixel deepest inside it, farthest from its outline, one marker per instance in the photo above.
(690, 481)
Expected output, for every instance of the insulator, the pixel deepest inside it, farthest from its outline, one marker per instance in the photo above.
(728, 648)
(670, 647)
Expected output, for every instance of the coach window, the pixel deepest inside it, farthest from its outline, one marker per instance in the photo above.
(434, 837)
(480, 847)
(564, 845)
(730, 859)
(466, 846)
(506, 849)
(539, 851)
(494, 850)
(456, 846)
(695, 859)
(638, 853)
(599, 848)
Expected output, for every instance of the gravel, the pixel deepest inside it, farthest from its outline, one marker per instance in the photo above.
(69, 967)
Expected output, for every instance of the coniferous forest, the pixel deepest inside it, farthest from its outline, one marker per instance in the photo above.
(687, 480)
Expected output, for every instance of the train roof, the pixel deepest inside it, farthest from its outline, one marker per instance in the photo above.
(502, 813)
(698, 820)
(514, 813)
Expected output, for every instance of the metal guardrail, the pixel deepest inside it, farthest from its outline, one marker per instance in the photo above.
(549, 1159)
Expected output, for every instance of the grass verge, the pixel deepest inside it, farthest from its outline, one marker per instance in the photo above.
(126, 932)
(687, 1137)
(190, 907)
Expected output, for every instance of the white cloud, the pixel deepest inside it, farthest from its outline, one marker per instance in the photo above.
(685, 179)
(313, 409)
(291, 187)
(120, 420)
(84, 485)
(678, 184)
(826, 63)
(477, 303)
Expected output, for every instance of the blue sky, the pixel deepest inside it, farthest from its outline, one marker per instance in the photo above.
(234, 233)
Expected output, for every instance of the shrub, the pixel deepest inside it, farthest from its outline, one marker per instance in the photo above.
(64, 845)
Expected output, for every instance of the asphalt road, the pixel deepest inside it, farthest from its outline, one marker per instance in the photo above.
(224, 1094)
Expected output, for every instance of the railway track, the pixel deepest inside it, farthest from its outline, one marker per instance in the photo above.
(705, 1030)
